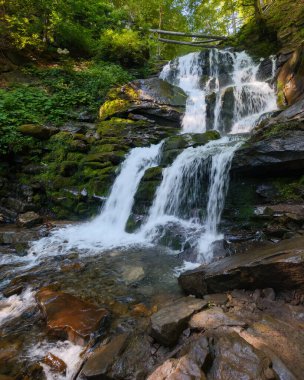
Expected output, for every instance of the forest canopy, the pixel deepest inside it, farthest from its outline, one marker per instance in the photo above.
(93, 27)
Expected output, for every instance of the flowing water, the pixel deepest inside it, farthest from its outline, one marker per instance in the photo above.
(224, 94)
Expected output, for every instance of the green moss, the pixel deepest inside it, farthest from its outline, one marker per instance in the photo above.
(112, 107)
(290, 190)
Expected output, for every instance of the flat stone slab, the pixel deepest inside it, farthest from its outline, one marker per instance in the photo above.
(103, 357)
(70, 317)
(213, 318)
(170, 321)
(279, 266)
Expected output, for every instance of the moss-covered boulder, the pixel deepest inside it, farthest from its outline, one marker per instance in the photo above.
(144, 197)
(41, 132)
(174, 145)
(154, 98)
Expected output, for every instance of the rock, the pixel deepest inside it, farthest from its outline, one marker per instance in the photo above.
(291, 78)
(234, 358)
(14, 289)
(136, 360)
(212, 319)
(279, 266)
(29, 219)
(153, 98)
(269, 294)
(70, 317)
(41, 132)
(275, 154)
(170, 321)
(265, 70)
(175, 369)
(55, 363)
(217, 298)
(132, 274)
(188, 366)
(103, 357)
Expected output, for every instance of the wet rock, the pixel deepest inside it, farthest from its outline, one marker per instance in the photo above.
(279, 266)
(41, 132)
(14, 289)
(170, 321)
(291, 78)
(132, 274)
(70, 317)
(212, 319)
(136, 360)
(275, 154)
(55, 363)
(103, 357)
(29, 219)
(234, 358)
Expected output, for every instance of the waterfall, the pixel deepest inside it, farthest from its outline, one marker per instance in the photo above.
(108, 229)
(224, 94)
(224, 85)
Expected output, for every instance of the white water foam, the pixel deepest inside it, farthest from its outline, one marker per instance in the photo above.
(66, 351)
(108, 229)
(12, 307)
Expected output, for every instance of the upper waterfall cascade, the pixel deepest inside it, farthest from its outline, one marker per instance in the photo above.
(224, 94)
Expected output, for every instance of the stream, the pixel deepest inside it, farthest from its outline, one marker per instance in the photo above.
(102, 263)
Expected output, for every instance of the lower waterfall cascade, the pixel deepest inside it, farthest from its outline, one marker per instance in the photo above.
(224, 94)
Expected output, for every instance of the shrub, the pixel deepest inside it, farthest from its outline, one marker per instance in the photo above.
(125, 47)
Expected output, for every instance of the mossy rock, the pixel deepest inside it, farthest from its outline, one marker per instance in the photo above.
(97, 165)
(78, 146)
(68, 168)
(153, 174)
(113, 107)
(38, 131)
(115, 157)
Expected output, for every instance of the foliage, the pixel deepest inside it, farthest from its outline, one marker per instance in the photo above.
(53, 97)
(126, 47)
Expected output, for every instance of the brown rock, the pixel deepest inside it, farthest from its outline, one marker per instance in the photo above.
(212, 319)
(103, 357)
(170, 321)
(278, 266)
(234, 358)
(217, 298)
(178, 369)
(55, 363)
(29, 219)
(188, 366)
(291, 78)
(70, 317)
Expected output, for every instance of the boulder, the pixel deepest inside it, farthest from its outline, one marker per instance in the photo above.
(103, 357)
(168, 323)
(154, 98)
(291, 78)
(213, 318)
(278, 266)
(70, 317)
(29, 219)
(41, 132)
(188, 366)
(234, 358)
(274, 153)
